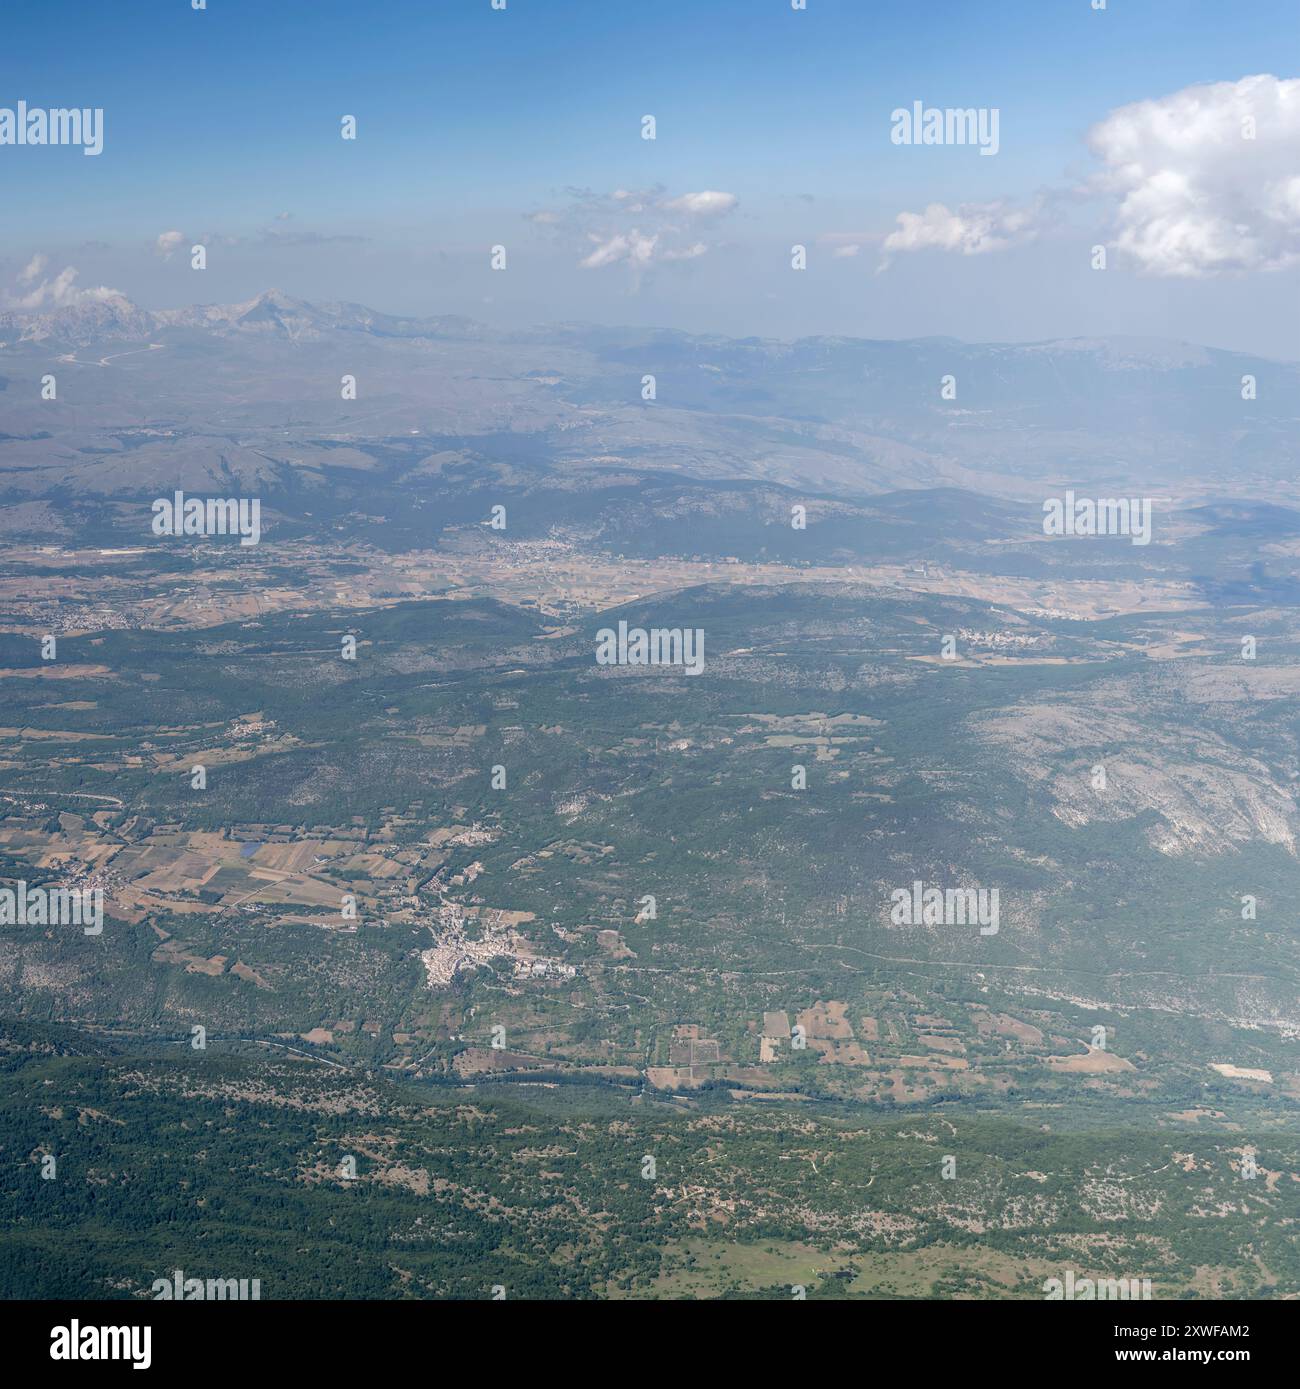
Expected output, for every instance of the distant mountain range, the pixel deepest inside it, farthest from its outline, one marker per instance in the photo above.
(107, 317)
(847, 415)
(111, 317)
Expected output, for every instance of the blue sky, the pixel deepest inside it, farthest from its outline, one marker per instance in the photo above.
(219, 123)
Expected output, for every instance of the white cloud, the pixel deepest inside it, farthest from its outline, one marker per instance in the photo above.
(707, 204)
(634, 248)
(638, 228)
(1196, 196)
(168, 243)
(972, 230)
(845, 245)
(1201, 182)
(59, 293)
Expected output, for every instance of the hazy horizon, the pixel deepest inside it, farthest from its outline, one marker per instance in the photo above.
(774, 128)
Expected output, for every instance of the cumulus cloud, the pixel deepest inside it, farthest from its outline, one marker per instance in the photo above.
(707, 204)
(638, 250)
(168, 243)
(1201, 182)
(61, 292)
(639, 228)
(1206, 180)
(845, 245)
(973, 229)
